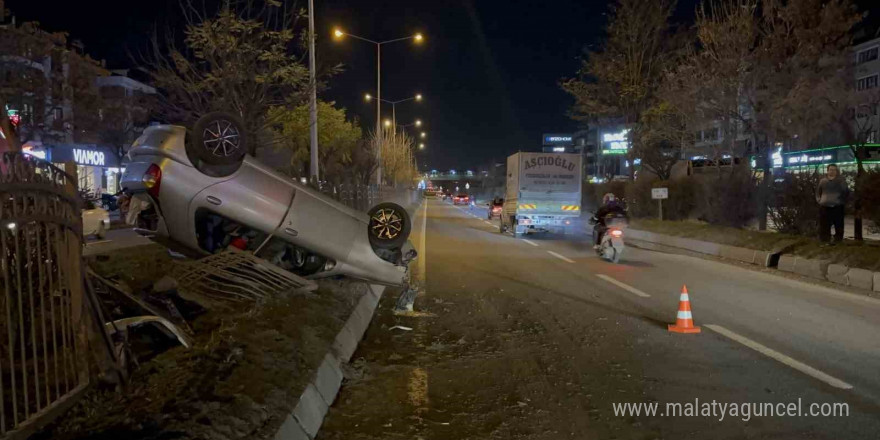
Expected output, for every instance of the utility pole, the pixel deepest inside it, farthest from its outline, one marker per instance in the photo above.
(379, 134)
(313, 98)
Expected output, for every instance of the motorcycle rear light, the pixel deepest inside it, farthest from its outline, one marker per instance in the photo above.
(153, 180)
(617, 233)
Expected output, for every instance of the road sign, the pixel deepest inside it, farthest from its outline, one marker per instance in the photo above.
(659, 193)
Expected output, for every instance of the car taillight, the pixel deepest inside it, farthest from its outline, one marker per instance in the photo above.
(497, 208)
(153, 180)
(616, 233)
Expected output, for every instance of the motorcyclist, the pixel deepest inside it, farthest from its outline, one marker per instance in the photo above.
(610, 207)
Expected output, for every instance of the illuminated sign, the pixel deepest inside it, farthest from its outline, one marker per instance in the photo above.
(558, 139)
(88, 157)
(807, 159)
(615, 142)
(30, 151)
(559, 149)
(777, 158)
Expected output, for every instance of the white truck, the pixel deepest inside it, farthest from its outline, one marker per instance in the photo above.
(543, 193)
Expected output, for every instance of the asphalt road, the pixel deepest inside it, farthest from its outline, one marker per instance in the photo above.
(538, 338)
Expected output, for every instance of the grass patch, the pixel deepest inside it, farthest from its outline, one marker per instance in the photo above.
(240, 379)
(138, 266)
(863, 255)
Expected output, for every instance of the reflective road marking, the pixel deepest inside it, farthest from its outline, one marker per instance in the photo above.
(623, 286)
(797, 365)
(563, 258)
(530, 242)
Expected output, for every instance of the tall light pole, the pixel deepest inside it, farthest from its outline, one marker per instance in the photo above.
(313, 99)
(338, 33)
(416, 97)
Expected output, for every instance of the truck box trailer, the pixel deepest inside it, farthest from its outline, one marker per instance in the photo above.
(543, 193)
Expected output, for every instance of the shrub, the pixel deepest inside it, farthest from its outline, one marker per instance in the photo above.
(592, 193)
(679, 205)
(870, 196)
(793, 207)
(728, 197)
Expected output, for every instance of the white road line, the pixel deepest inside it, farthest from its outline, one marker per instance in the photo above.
(563, 258)
(422, 253)
(530, 242)
(797, 365)
(623, 286)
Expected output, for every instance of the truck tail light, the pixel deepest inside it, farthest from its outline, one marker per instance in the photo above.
(153, 180)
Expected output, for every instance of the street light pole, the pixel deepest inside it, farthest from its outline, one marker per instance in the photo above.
(313, 98)
(379, 133)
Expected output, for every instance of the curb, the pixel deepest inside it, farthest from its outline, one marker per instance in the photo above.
(816, 269)
(308, 415)
(751, 256)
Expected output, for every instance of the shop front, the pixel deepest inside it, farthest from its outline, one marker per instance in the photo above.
(98, 166)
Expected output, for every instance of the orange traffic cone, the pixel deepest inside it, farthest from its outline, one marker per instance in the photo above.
(684, 322)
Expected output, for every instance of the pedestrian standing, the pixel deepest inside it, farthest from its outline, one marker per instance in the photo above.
(831, 194)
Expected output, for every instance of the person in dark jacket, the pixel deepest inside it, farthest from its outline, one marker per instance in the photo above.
(831, 195)
(610, 206)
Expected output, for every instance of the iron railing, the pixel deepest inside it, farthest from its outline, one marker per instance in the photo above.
(43, 359)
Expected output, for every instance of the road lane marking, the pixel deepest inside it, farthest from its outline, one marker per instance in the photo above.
(530, 242)
(422, 266)
(623, 286)
(89, 243)
(561, 257)
(793, 363)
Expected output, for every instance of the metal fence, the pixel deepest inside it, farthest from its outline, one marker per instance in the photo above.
(363, 197)
(43, 359)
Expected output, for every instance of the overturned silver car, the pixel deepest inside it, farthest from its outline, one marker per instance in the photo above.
(198, 188)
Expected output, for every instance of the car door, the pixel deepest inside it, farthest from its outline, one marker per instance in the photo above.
(322, 225)
(255, 197)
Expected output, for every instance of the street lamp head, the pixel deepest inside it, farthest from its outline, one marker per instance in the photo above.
(418, 122)
(367, 97)
(418, 97)
(423, 135)
(418, 37)
(388, 122)
(338, 33)
(421, 146)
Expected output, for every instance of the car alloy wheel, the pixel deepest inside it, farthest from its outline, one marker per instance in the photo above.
(386, 224)
(222, 138)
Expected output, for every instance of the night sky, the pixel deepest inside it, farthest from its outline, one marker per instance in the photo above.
(488, 69)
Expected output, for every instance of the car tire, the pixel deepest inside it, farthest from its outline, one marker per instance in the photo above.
(389, 226)
(218, 138)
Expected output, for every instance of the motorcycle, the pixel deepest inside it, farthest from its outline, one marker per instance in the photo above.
(611, 246)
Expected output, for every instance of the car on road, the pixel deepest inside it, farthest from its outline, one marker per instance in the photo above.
(461, 199)
(199, 188)
(495, 208)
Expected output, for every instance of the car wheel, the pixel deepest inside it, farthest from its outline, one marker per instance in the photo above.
(389, 226)
(218, 138)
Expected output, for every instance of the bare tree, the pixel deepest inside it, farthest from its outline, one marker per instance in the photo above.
(398, 161)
